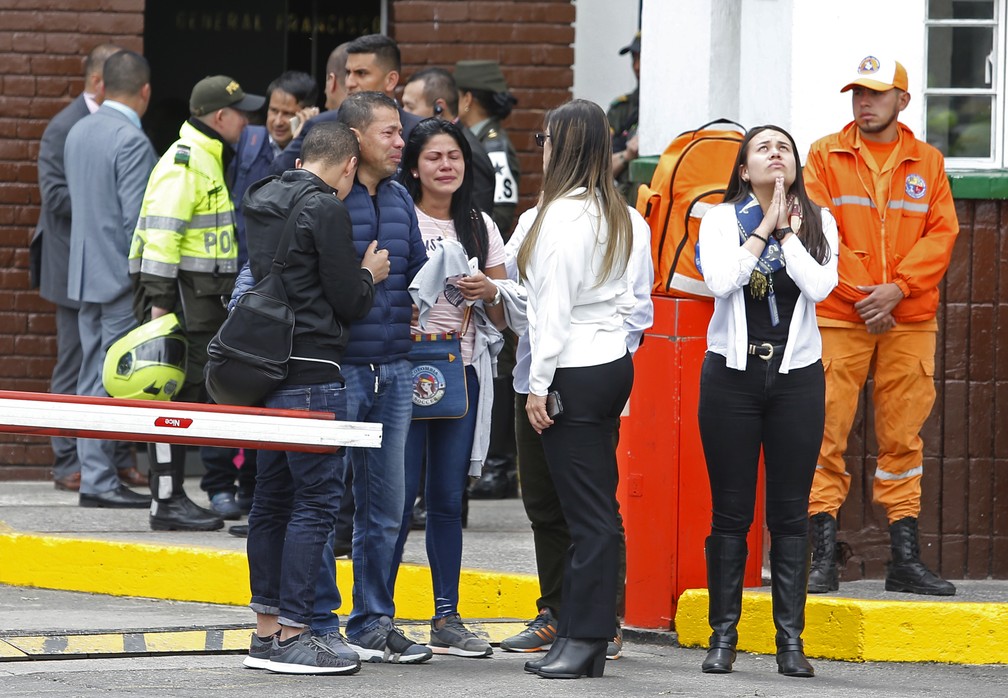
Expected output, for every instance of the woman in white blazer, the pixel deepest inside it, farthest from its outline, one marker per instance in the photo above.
(768, 254)
(574, 264)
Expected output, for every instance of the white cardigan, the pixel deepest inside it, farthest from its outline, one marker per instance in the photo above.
(573, 320)
(727, 267)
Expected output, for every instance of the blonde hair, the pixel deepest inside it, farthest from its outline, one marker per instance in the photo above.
(581, 156)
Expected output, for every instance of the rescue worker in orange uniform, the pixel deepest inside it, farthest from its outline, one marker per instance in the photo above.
(893, 205)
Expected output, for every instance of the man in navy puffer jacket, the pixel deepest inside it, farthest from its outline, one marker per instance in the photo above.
(378, 386)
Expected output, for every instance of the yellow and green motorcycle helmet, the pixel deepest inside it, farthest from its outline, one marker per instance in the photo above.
(148, 363)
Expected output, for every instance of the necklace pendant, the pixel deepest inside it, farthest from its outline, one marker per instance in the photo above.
(757, 285)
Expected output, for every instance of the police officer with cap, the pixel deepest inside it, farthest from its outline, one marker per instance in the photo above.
(484, 101)
(183, 259)
(622, 115)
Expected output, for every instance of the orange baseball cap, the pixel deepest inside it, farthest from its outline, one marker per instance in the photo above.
(879, 74)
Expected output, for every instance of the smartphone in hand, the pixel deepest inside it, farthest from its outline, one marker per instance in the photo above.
(554, 406)
(295, 124)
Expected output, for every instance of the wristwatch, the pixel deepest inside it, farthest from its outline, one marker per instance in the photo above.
(781, 232)
(496, 300)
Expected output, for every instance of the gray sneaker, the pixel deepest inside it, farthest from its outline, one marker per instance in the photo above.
(454, 638)
(386, 643)
(537, 637)
(337, 644)
(259, 652)
(306, 654)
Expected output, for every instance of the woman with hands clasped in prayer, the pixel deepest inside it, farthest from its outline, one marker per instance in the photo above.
(768, 254)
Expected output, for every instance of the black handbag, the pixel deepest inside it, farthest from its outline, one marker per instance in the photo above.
(248, 356)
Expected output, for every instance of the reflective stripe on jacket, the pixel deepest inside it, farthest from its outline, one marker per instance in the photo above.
(187, 218)
(897, 224)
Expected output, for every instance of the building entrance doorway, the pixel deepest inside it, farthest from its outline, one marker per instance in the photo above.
(252, 41)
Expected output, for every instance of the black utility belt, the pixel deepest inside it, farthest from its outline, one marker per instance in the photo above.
(765, 350)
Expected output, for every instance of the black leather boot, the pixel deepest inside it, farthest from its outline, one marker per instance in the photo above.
(171, 509)
(533, 665)
(789, 569)
(726, 558)
(906, 572)
(576, 658)
(823, 577)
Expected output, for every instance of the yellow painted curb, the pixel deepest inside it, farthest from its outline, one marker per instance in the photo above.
(208, 641)
(865, 630)
(221, 576)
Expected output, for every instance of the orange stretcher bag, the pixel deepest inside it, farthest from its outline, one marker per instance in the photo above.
(691, 177)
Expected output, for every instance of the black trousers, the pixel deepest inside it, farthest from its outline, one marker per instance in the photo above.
(581, 455)
(743, 411)
(550, 535)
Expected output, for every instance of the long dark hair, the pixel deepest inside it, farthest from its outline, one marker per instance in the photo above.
(811, 232)
(581, 156)
(469, 224)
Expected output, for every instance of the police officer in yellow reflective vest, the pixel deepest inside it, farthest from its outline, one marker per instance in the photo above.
(183, 259)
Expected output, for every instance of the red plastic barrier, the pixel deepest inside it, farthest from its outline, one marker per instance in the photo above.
(664, 492)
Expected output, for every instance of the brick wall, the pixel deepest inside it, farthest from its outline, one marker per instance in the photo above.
(42, 47)
(964, 516)
(532, 41)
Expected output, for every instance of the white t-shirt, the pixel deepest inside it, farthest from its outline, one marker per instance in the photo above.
(444, 316)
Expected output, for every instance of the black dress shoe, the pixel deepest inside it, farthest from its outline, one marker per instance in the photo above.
(577, 658)
(240, 531)
(120, 498)
(182, 514)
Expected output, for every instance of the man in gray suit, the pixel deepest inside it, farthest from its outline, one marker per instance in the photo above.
(51, 249)
(108, 160)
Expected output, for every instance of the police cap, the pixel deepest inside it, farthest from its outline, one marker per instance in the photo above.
(219, 91)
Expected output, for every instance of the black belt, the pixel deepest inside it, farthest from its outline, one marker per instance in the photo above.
(765, 350)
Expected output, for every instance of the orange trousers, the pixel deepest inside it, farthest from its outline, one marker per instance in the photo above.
(903, 396)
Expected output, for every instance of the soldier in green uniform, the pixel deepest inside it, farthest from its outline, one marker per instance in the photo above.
(484, 101)
(622, 115)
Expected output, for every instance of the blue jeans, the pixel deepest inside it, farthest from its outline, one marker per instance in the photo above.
(447, 444)
(293, 512)
(380, 393)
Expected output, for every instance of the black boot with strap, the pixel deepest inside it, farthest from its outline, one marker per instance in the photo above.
(726, 558)
(789, 569)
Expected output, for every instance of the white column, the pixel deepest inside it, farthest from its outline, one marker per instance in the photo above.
(602, 28)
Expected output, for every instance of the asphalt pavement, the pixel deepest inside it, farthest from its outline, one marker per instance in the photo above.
(646, 669)
(186, 648)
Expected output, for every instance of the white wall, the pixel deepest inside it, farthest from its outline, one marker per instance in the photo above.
(830, 40)
(675, 70)
(602, 28)
(768, 61)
